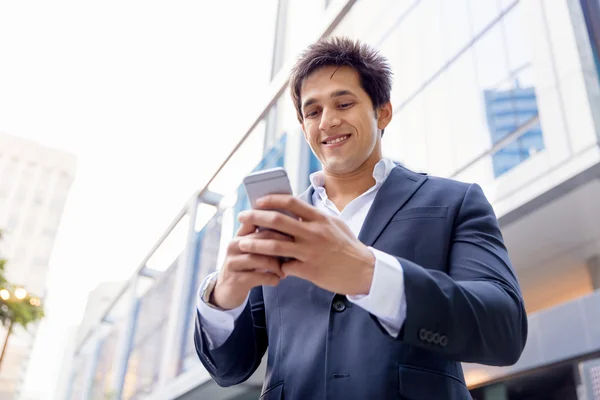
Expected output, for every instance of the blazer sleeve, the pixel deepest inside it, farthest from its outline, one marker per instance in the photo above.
(236, 360)
(475, 312)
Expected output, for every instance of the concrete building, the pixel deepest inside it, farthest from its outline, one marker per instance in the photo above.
(34, 184)
(503, 93)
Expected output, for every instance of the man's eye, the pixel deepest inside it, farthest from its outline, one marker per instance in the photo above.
(311, 114)
(345, 105)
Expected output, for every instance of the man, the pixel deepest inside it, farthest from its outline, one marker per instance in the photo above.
(397, 277)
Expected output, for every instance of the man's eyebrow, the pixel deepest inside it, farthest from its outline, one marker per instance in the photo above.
(340, 93)
(337, 93)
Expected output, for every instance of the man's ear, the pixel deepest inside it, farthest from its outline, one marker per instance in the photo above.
(304, 131)
(384, 115)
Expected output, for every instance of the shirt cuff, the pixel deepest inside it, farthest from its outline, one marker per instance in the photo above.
(216, 324)
(386, 299)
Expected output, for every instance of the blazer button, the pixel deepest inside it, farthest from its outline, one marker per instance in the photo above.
(443, 341)
(339, 305)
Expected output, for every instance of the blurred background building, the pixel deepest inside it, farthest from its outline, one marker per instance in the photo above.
(34, 184)
(504, 93)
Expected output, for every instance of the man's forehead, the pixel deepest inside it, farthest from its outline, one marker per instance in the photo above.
(333, 73)
(330, 79)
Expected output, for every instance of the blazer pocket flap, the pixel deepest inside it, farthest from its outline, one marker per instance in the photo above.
(275, 392)
(421, 212)
(421, 384)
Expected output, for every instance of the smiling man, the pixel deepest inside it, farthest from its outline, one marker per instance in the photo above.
(397, 277)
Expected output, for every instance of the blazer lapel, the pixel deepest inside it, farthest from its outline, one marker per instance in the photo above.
(397, 189)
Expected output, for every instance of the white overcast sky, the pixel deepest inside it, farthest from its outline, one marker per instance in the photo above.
(149, 96)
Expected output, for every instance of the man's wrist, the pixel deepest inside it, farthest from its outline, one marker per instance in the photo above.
(224, 297)
(208, 291)
(368, 269)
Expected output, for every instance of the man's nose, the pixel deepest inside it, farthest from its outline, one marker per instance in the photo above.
(329, 119)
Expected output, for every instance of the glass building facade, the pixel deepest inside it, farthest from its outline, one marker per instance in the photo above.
(503, 93)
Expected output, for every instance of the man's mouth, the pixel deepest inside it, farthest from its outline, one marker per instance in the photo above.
(336, 139)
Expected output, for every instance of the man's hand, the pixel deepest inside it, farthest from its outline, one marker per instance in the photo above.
(242, 271)
(325, 250)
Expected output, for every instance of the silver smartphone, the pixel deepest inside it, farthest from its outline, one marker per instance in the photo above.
(269, 181)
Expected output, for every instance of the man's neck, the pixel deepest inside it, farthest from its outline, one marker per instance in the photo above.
(343, 188)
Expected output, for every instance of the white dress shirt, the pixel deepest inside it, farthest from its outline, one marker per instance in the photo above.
(386, 299)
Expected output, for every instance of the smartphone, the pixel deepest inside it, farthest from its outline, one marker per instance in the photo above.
(265, 182)
(268, 181)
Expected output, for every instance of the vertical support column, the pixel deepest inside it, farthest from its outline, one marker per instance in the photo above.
(585, 19)
(179, 303)
(124, 342)
(90, 369)
(276, 65)
(594, 268)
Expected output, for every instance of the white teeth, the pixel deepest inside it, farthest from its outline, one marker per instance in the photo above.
(340, 139)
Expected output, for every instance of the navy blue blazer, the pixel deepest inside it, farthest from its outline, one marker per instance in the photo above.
(463, 300)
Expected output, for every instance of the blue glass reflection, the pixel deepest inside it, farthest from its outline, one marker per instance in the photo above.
(507, 111)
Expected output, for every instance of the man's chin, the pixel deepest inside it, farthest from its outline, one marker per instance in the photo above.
(341, 167)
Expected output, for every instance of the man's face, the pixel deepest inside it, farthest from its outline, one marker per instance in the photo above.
(340, 124)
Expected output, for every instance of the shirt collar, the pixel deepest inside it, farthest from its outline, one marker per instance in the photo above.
(381, 171)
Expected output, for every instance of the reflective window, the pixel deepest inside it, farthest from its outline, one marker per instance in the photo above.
(466, 119)
(77, 384)
(408, 67)
(438, 132)
(298, 31)
(101, 381)
(206, 258)
(432, 36)
(146, 355)
(410, 131)
(511, 104)
(482, 13)
(456, 26)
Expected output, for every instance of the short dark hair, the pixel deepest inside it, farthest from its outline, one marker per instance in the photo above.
(373, 69)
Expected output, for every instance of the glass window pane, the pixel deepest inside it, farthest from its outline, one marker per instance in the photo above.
(298, 32)
(432, 36)
(519, 150)
(518, 45)
(506, 158)
(240, 164)
(505, 4)
(438, 130)
(411, 135)
(482, 13)
(404, 55)
(467, 121)
(491, 61)
(457, 34)
(372, 21)
(410, 75)
(390, 49)
(144, 362)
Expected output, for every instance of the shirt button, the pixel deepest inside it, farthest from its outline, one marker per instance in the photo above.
(339, 305)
